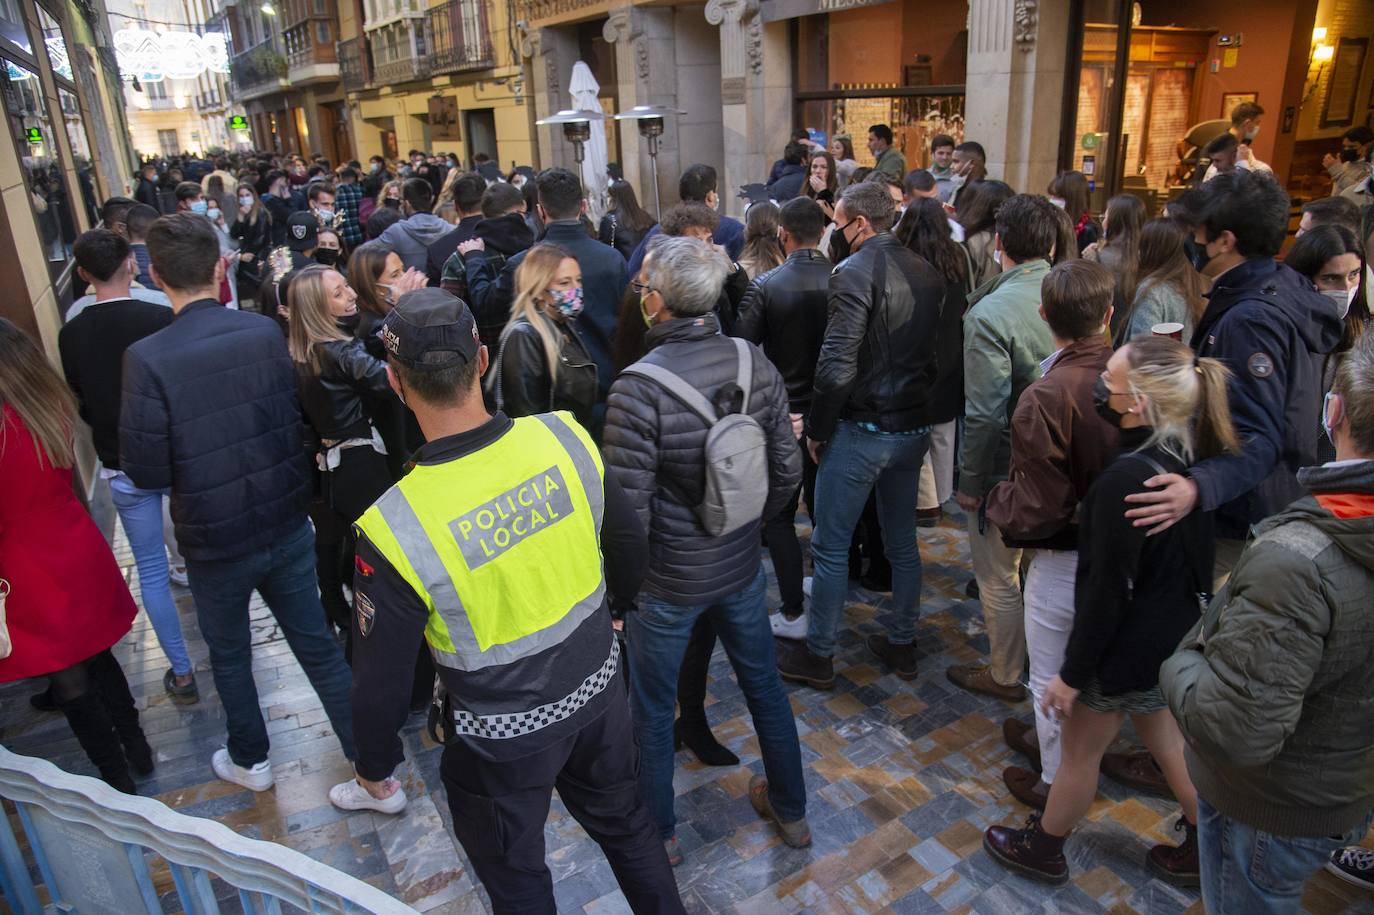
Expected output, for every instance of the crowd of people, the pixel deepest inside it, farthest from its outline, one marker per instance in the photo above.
(453, 433)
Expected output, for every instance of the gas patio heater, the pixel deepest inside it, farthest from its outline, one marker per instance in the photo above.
(650, 118)
(577, 128)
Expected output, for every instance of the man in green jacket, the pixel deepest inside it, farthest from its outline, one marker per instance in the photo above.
(1274, 690)
(1006, 343)
(890, 159)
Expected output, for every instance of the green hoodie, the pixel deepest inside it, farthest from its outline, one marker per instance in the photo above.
(1274, 689)
(1005, 340)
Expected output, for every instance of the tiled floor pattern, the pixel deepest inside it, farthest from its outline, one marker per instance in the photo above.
(903, 778)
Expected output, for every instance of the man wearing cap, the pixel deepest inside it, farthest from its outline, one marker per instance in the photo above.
(490, 549)
(302, 235)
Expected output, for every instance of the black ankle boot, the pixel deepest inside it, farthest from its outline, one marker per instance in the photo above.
(113, 689)
(696, 735)
(90, 722)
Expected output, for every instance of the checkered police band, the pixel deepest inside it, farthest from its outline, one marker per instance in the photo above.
(518, 724)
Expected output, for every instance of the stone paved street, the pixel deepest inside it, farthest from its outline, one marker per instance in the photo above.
(903, 778)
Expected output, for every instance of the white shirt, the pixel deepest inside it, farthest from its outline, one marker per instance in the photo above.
(136, 292)
(1245, 165)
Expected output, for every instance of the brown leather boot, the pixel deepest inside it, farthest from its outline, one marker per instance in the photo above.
(1026, 787)
(977, 678)
(1029, 850)
(1137, 769)
(1178, 864)
(1021, 737)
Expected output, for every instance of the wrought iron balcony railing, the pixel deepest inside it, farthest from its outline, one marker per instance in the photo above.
(261, 65)
(460, 36)
(354, 64)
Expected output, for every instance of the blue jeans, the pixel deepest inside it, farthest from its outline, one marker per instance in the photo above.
(1246, 871)
(140, 511)
(284, 574)
(657, 635)
(854, 463)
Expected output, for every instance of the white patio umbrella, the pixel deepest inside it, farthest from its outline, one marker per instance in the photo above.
(584, 89)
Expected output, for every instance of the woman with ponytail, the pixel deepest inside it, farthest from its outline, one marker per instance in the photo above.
(543, 364)
(1135, 597)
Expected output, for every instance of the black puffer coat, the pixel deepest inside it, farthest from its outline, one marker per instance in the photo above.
(210, 411)
(654, 446)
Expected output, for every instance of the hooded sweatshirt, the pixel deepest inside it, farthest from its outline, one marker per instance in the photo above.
(1271, 328)
(410, 238)
(1274, 690)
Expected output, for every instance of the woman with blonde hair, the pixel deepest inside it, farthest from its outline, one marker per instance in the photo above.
(1137, 593)
(762, 250)
(543, 364)
(64, 597)
(336, 378)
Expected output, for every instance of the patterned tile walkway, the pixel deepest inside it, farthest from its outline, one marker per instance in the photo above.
(903, 778)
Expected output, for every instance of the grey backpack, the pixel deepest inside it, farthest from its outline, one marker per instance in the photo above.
(736, 450)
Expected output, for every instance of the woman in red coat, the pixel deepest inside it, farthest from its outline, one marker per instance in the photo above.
(68, 601)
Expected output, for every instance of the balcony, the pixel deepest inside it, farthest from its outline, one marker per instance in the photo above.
(460, 36)
(355, 64)
(310, 54)
(259, 70)
(399, 53)
(380, 13)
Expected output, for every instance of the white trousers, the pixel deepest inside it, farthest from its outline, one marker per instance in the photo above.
(937, 471)
(1049, 620)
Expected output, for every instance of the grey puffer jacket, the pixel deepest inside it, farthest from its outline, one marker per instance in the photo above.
(653, 446)
(1274, 690)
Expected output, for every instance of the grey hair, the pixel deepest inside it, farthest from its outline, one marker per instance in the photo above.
(687, 272)
(871, 200)
(1355, 384)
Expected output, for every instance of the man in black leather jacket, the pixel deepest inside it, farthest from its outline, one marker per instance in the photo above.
(866, 428)
(784, 311)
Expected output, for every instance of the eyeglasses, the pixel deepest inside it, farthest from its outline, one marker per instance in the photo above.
(643, 288)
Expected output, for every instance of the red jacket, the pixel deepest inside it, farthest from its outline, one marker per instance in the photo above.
(68, 598)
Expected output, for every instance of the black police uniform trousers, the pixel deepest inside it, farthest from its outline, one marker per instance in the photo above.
(499, 811)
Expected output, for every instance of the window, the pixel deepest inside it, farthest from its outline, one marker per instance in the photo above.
(321, 7)
(322, 34)
(81, 151)
(167, 139)
(12, 26)
(55, 45)
(40, 157)
(157, 90)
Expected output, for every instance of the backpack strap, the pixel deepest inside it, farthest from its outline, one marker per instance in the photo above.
(674, 385)
(744, 374)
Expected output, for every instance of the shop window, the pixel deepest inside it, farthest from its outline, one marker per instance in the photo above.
(39, 154)
(55, 45)
(81, 152)
(12, 26)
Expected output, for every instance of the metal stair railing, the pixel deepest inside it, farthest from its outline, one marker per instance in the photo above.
(91, 845)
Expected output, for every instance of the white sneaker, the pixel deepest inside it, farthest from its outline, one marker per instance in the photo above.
(258, 778)
(806, 586)
(784, 628)
(178, 576)
(350, 795)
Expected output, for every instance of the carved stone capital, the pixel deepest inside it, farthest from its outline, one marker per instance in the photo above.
(1026, 24)
(734, 11)
(617, 25)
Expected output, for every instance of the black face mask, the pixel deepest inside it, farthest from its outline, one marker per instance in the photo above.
(392, 202)
(1102, 401)
(839, 245)
(1349, 154)
(1199, 256)
(327, 256)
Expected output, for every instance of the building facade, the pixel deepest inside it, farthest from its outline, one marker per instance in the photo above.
(173, 60)
(441, 77)
(66, 149)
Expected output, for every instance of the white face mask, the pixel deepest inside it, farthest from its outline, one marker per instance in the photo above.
(1343, 299)
(1059, 202)
(957, 181)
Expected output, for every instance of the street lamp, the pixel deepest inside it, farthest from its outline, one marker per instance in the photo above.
(650, 118)
(577, 127)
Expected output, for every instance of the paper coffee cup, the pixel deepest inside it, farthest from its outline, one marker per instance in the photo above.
(1168, 329)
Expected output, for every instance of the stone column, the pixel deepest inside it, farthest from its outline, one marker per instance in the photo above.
(552, 53)
(623, 30)
(741, 63)
(1016, 73)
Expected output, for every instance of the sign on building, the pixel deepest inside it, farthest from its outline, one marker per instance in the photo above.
(238, 122)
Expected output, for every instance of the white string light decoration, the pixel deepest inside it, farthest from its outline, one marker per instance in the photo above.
(154, 56)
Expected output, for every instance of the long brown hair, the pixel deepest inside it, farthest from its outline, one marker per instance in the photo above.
(832, 178)
(365, 267)
(1164, 259)
(1186, 403)
(44, 403)
(311, 323)
(625, 205)
(761, 251)
(1121, 234)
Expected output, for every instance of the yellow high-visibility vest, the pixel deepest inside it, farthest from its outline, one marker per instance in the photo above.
(503, 545)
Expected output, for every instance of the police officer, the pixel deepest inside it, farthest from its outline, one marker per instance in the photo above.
(491, 550)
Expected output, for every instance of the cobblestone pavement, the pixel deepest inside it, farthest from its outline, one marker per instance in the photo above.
(902, 778)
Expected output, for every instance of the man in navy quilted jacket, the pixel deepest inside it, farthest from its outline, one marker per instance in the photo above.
(209, 411)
